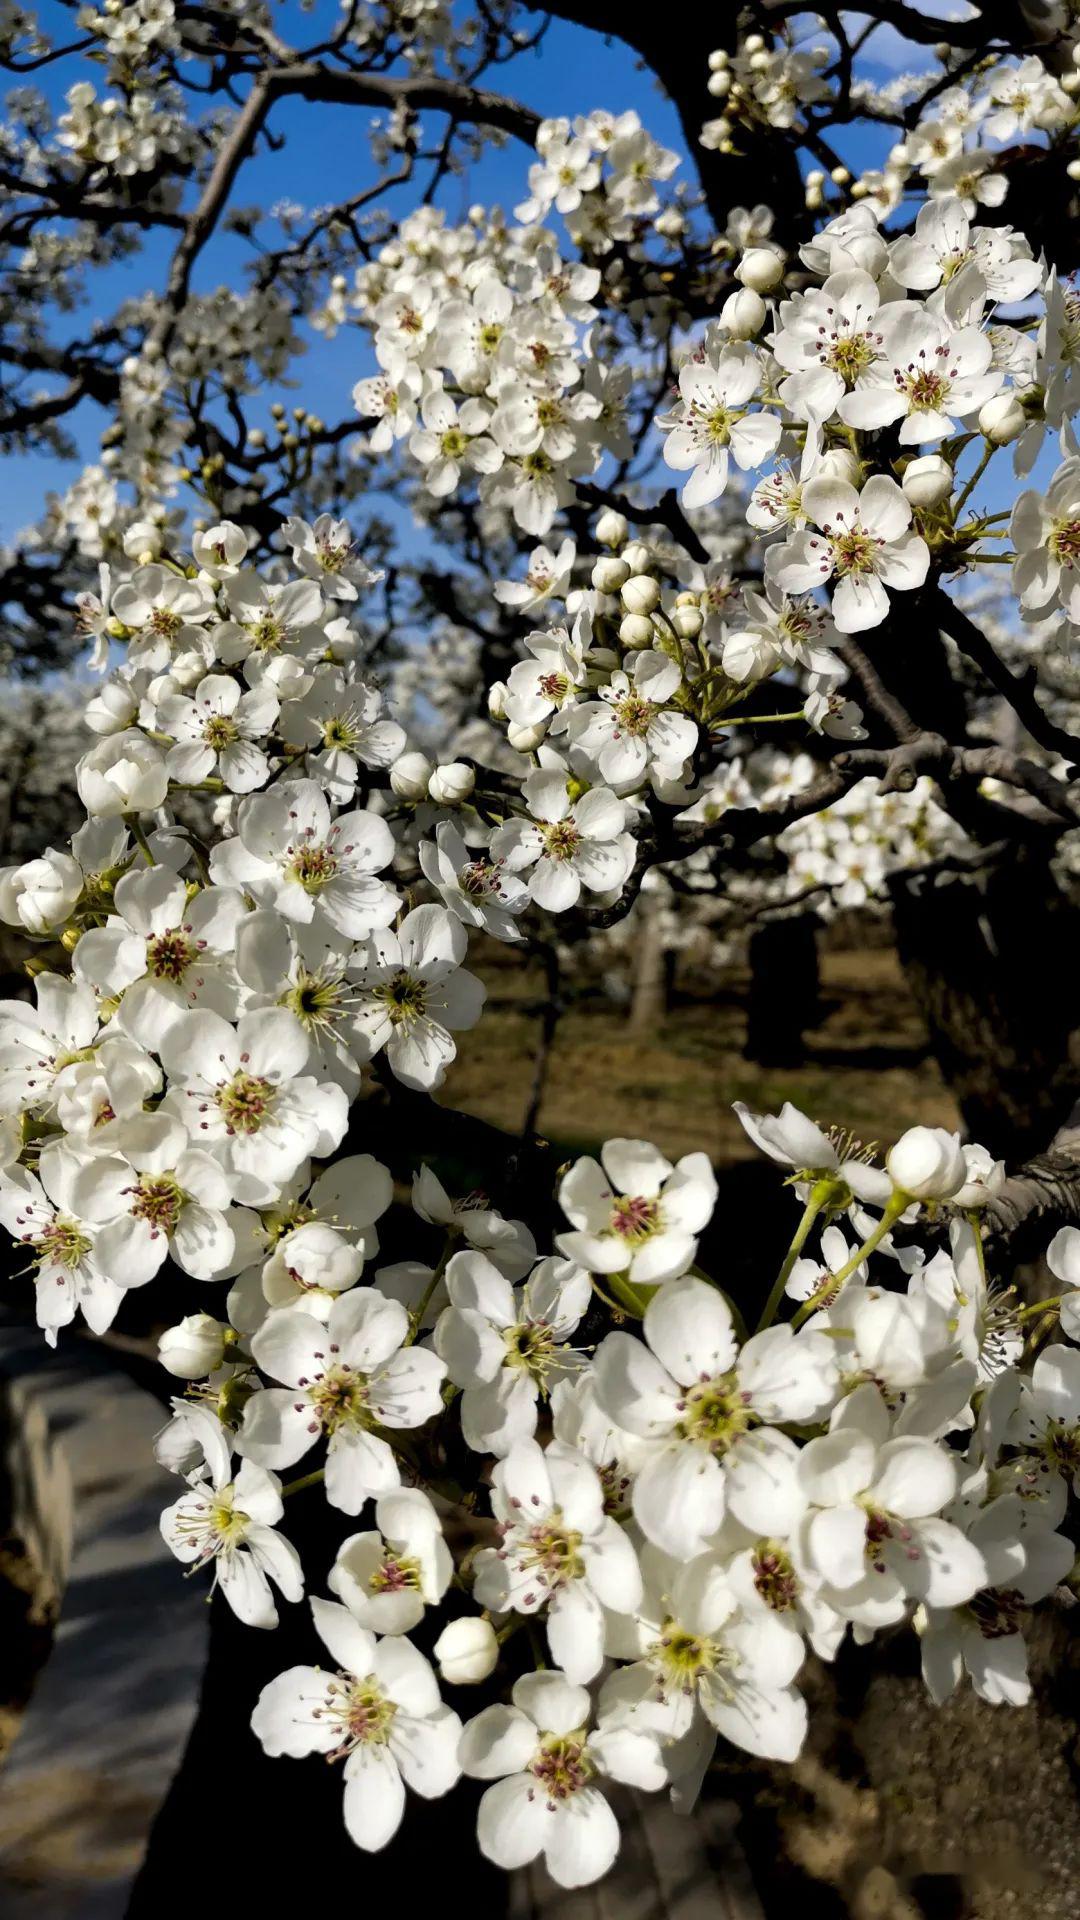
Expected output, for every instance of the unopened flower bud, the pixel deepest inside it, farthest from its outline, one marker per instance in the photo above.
(641, 593)
(611, 528)
(467, 1651)
(142, 542)
(194, 1348)
(111, 709)
(496, 700)
(840, 464)
(124, 774)
(688, 622)
(749, 656)
(985, 1178)
(41, 893)
(761, 269)
(610, 573)
(525, 739)
(636, 630)
(409, 776)
(638, 556)
(927, 1163)
(743, 313)
(451, 785)
(1002, 419)
(927, 481)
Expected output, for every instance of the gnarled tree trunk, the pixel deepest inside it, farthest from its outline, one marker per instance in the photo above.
(992, 958)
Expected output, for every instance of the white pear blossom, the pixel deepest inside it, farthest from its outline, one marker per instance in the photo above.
(872, 1532)
(506, 1346)
(558, 1549)
(229, 1522)
(324, 552)
(388, 1577)
(543, 1763)
(380, 1712)
(709, 1407)
(163, 952)
(160, 1196)
(291, 854)
(634, 1212)
(413, 994)
(712, 422)
(39, 1213)
(243, 1094)
(862, 541)
(216, 731)
(566, 845)
(700, 1656)
(474, 887)
(633, 726)
(344, 1379)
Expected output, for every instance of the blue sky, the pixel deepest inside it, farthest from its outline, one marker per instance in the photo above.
(325, 156)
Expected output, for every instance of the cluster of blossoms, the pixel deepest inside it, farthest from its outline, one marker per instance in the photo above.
(959, 144)
(480, 330)
(962, 138)
(123, 137)
(762, 85)
(676, 1511)
(860, 393)
(570, 1460)
(636, 690)
(850, 849)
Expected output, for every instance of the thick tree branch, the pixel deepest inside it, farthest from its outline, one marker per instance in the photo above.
(1040, 1197)
(665, 512)
(1017, 689)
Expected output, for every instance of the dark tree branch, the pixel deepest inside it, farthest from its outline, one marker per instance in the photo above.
(1017, 689)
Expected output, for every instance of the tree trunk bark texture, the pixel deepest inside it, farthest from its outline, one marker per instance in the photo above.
(992, 960)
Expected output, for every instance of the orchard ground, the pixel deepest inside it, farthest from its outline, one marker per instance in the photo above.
(675, 1084)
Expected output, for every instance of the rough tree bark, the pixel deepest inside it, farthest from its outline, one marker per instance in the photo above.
(783, 997)
(648, 999)
(991, 958)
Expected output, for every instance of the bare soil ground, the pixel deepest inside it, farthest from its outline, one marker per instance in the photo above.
(865, 1061)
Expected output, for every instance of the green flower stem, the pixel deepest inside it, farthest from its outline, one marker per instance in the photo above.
(306, 1480)
(628, 1298)
(1040, 1306)
(898, 1204)
(131, 821)
(417, 1315)
(761, 719)
(820, 1194)
(975, 478)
